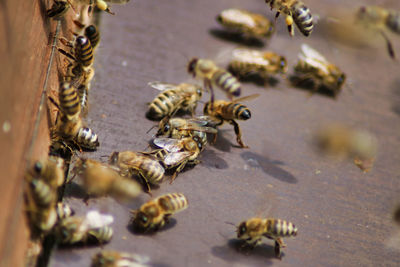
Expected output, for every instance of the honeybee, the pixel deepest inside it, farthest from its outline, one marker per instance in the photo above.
(211, 74)
(178, 128)
(296, 12)
(92, 228)
(110, 258)
(91, 32)
(173, 97)
(155, 213)
(82, 51)
(131, 163)
(230, 111)
(254, 229)
(344, 142)
(313, 66)
(100, 179)
(265, 64)
(63, 210)
(69, 101)
(58, 9)
(177, 153)
(380, 19)
(43, 195)
(247, 23)
(51, 171)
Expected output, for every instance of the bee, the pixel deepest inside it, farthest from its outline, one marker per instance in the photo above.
(178, 128)
(247, 61)
(69, 101)
(91, 32)
(51, 171)
(100, 179)
(245, 22)
(230, 111)
(177, 153)
(211, 74)
(110, 258)
(63, 210)
(344, 142)
(155, 213)
(131, 163)
(296, 12)
(313, 66)
(380, 19)
(173, 97)
(92, 228)
(254, 229)
(82, 51)
(58, 9)
(44, 220)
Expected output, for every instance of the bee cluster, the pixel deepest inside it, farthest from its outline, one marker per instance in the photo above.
(179, 140)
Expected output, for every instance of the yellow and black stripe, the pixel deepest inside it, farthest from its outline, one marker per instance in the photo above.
(151, 170)
(93, 35)
(101, 235)
(303, 18)
(172, 203)
(227, 82)
(84, 51)
(87, 138)
(69, 100)
(237, 110)
(281, 228)
(164, 104)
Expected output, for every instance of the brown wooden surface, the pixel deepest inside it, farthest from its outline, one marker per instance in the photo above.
(343, 215)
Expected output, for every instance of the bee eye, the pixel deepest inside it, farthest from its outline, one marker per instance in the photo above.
(143, 219)
(38, 167)
(166, 127)
(199, 145)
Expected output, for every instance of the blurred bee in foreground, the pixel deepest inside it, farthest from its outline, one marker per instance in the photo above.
(174, 97)
(296, 12)
(312, 66)
(59, 8)
(246, 62)
(178, 128)
(177, 153)
(230, 111)
(92, 228)
(211, 74)
(100, 179)
(250, 25)
(254, 229)
(380, 19)
(110, 258)
(344, 142)
(132, 164)
(155, 213)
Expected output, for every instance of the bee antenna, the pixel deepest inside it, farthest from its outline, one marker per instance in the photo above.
(230, 223)
(154, 126)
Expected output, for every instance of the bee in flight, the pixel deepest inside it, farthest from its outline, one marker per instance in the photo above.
(155, 213)
(111, 258)
(174, 97)
(380, 19)
(211, 74)
(251, 25)
(230, 111)
(178, 128)
(100, 179)
(247, 61)
(313, 66)
(254, 229)
(177, 153)
(296, 12)
(137, 164)
(92, 228)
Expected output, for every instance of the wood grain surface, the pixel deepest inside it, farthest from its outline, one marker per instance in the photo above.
(343, 215)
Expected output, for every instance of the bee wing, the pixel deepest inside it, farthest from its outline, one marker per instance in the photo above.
(313, 58)
(94, 219)
(250, 56)
(162, 86)
(170, 144)
(239, 16)
(177, 157)
(246, 98)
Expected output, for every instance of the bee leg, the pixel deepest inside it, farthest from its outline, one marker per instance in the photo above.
(388, 45)
(66, 42)
(238, 134)
(207, 84)
(65, 53)
(289, 23)
(179, 169)
(278, 251)
(146, 183)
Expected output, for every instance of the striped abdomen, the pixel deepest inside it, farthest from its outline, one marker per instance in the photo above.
(172, 203)
(280, 228)
(43, 194)
(83, 93)
(227, 82)
(93, 35)
(69, 100)
(164, 104)
(83, 51)
(87, 138)
(303, 18)
(101, 235)
(236, 111)
(151, 170)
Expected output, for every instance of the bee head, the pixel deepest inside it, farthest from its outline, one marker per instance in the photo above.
(192, 65)
(141, 221)
(81, 40)
(219, 19)
(241, 230)
(90, 30)
(114, 158)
